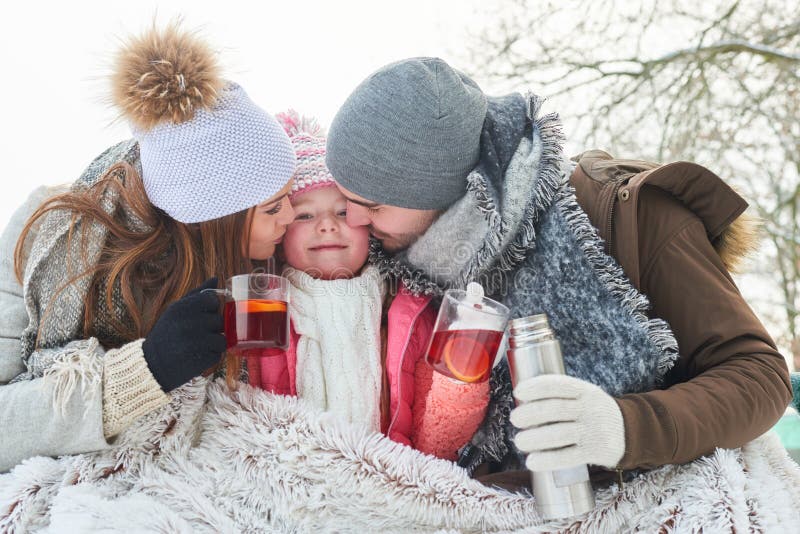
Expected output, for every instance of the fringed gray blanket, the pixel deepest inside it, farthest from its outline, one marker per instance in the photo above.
(250, 461)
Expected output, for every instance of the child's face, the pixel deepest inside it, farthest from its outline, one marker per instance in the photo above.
(319, 241)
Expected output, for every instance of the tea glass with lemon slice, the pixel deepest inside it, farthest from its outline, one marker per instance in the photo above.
(256, 312)
(467, 334)
(256, 320)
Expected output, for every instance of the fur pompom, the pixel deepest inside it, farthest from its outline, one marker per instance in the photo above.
(164, 75)
(294, 124)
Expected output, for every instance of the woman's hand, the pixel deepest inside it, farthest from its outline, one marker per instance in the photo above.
(187, 339)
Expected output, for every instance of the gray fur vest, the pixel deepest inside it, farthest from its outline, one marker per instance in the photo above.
(520, 232)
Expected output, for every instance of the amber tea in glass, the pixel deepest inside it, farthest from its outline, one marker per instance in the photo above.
(255, 324)
(256, 312)
(466, 355)
(468, 332)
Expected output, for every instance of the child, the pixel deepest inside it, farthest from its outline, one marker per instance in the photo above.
(356, 349)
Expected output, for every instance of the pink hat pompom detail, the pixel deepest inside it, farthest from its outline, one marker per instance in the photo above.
(294, 124)
(308, 141)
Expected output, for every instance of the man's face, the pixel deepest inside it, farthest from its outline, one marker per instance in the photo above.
(396, 228)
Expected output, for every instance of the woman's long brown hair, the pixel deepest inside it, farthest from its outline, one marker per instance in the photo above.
(151, 268)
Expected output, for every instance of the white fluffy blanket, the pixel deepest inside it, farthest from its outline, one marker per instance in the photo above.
(214, 461)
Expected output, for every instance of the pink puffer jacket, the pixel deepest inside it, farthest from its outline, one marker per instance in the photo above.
(427, 411)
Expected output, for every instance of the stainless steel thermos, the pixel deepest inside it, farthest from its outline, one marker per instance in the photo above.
(534, 350)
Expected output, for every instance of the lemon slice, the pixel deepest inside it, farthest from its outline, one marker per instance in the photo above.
(452, 347)
(256, 306)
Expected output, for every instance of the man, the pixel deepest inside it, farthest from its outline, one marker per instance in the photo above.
(457, 186)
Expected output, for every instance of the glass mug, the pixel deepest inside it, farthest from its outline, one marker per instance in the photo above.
(467, 334)
(255, 313)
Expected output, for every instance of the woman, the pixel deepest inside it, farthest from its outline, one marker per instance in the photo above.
(99, 319)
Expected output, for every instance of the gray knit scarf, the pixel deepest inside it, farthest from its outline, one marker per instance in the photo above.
(54, 259)
(520, 232)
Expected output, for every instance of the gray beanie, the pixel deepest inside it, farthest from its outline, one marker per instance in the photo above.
(409, 135)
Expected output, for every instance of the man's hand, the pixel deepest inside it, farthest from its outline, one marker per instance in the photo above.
(566, 422)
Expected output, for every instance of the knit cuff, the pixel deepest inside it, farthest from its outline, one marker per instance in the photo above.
(446, 412)
(129, 388)
(611, 423)
(449, 391)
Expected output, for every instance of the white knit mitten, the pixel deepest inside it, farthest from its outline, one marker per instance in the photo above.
(566, 422)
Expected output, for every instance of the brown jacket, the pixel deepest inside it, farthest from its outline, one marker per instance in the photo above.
(677, 230)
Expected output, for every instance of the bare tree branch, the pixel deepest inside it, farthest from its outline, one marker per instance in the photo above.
(726, 94)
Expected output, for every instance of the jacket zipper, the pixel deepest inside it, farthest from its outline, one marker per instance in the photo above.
(610, 219)
(610, 251)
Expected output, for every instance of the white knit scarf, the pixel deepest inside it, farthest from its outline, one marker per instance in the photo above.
(338, 354)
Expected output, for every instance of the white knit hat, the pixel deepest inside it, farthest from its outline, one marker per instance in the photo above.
(222, 161)
(206, 149)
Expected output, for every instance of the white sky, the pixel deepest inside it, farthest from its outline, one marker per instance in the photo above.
(308, 55)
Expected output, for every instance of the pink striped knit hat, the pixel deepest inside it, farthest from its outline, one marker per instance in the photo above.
(308, 140)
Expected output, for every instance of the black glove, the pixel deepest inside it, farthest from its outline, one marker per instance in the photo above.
(187, 339)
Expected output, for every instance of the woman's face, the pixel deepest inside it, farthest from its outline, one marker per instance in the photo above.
(268, 224)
